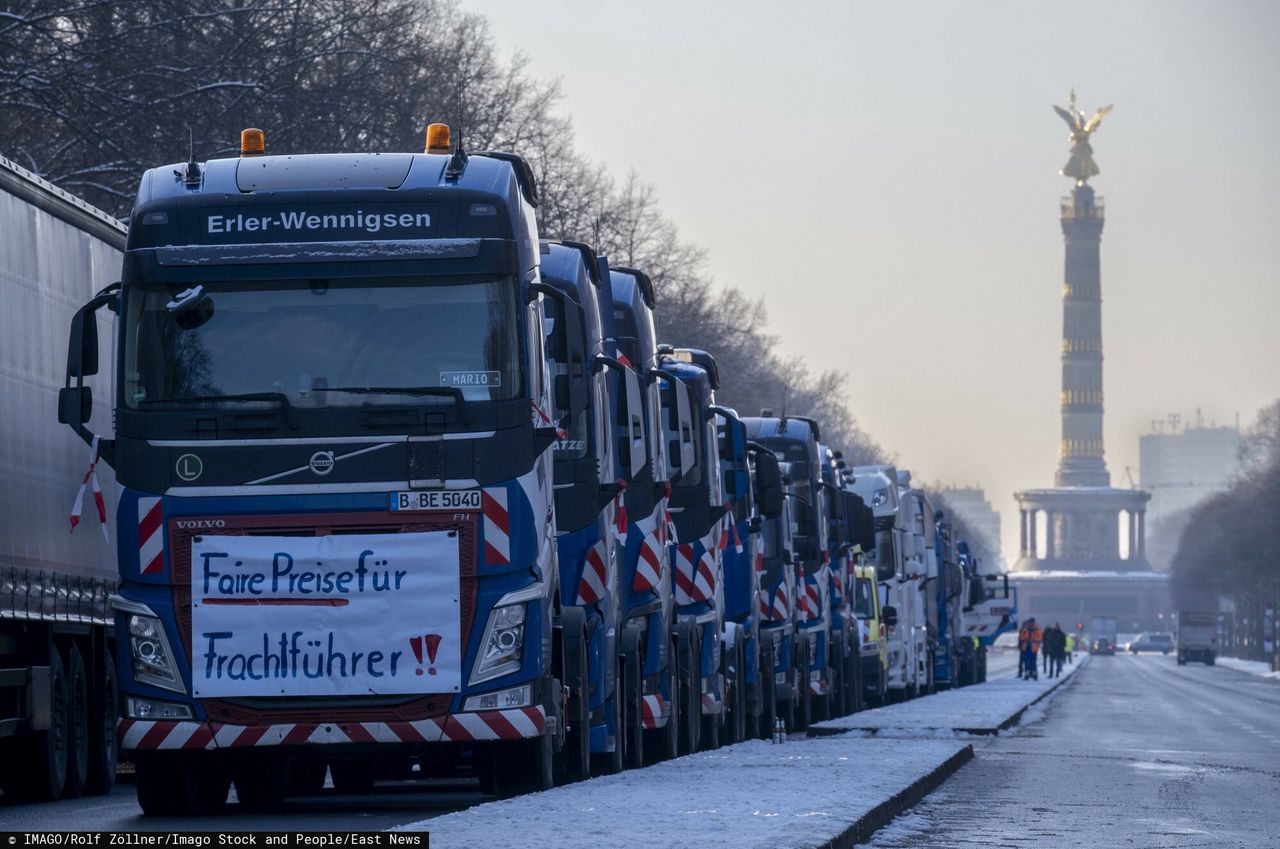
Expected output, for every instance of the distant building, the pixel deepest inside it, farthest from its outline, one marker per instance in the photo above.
(972, 505)
(1187, 466)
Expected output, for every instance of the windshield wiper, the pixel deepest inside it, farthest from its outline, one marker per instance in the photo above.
(243, 396)
(459, 400)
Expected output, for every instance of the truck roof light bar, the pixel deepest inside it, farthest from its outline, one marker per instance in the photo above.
(253, 142)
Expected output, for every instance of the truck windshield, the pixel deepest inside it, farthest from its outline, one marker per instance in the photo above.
(324, 343)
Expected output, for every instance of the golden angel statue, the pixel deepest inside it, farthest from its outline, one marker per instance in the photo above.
(1081, 165)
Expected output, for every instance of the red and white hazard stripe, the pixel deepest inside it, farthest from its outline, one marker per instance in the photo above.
(818, 687)
(695, 579)
(711, 704)
(497, 525)
(781, 608)
(91, 480)
(648, 565)
(654, 711)
(514, 724)
(811, 600)
(150, 536)
(592, 586)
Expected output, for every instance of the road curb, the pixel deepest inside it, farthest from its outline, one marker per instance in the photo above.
(985, 731)
(882, 814)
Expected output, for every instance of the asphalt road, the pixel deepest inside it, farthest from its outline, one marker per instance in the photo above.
(1135, 751)
(390, 805)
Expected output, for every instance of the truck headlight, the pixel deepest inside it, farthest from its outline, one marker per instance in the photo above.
(152, 658)
(880, 496)
(502, 644)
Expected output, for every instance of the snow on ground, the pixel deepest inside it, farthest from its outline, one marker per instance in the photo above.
(981, 708)
(1253, 667)
(803, 793)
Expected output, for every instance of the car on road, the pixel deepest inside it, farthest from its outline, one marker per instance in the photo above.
(1154, 641)
(1123, 641)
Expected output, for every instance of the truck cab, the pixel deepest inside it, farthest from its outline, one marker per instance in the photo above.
(586, 489)
(689, 378)
(332, 405)
(649, 610)
(795, 441)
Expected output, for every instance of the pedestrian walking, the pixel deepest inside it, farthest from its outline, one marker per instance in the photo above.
(1055, 649)
(1071, 648)
(1029, 639)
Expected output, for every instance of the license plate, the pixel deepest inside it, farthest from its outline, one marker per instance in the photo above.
(446, 499)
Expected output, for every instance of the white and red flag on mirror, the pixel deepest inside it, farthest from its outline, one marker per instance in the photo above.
(91, 478)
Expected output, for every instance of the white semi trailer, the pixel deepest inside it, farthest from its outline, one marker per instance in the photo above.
(58, 701)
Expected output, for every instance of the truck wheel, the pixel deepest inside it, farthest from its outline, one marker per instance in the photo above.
(631, 737)
(46, 751)
(77, 725)
(306, 777)
(1182, 660)
(352, 776)
(804, 710)
(1208, 659)
(168, 784)
(690, 687)
(768, 694)
(103, 745)
(736, 687)
(575, 758)
(261, 783)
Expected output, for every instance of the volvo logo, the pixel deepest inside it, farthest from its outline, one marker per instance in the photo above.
(322, 462)
(191, 524)
(189, 467)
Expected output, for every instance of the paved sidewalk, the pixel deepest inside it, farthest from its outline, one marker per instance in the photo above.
(979, 709)
(803, 794)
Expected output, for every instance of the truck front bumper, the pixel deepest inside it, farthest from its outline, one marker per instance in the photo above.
(514, 724)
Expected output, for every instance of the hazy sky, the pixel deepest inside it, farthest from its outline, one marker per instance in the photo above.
(885, 175)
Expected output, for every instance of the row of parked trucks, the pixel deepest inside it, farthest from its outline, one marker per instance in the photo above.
(392, 485)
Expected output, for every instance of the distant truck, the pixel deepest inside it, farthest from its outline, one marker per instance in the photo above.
(1102, 635)
(1197, 637)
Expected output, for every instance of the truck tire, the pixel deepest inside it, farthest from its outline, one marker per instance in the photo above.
(103, 744)
(736, 693)
(179, 784)
(44, 752)
(352, 776)
(1182, 659)
(306, 777)
(804, 706)
(78, 713)
(1209, 658)
(689, 685)
(262, 783)
(768, 717)
(574, 762)
(631, 738)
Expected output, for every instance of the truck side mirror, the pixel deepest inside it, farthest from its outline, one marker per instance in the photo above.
(75, 400)
(82, 346)
(768, 484)
(889, 614)
(75, 405)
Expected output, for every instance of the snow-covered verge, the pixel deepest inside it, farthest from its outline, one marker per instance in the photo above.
(1253, 667)
(979, 709)
(804, 793)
